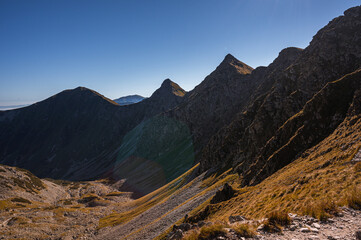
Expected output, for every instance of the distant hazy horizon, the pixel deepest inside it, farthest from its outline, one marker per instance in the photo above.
(121, 48)
(4, 108)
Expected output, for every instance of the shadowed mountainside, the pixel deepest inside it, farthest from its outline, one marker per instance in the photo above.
(334, 52)
(76, 133)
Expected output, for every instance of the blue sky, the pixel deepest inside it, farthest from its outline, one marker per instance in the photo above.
(129, 47)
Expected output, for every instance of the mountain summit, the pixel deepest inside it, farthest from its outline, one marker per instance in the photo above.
(167, 89)
(210, 105)
(230, 61)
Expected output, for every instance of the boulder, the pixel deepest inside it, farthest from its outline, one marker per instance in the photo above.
(223, 195)
(236, 218)
(358, 235)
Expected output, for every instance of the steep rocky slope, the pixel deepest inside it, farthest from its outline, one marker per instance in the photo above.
(333, 52)
(326, 173)
(211, 104)
(76, 133)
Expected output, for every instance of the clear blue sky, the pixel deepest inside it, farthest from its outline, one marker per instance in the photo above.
(129, 47)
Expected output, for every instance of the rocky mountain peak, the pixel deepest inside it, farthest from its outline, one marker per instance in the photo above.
(79, 94)
(230, 61)
(353, 12)
(168, 88)
(167, 82)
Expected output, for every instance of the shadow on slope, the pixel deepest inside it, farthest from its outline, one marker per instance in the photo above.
(154, 153)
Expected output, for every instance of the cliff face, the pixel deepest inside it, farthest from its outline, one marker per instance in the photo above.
(334, 52)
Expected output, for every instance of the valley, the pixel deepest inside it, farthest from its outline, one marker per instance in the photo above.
(267, 153)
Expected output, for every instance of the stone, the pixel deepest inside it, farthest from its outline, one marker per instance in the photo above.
(358, 235)
(292, 227)
(316, 225)
(236, 218)
(177, 235)
(185, 227)
(260, 227)
(201, 224)
(223, 195)
(333, 238)
(305, 230)
(313, 237)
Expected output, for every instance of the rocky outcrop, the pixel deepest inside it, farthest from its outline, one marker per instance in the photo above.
(223, 195)
(334, 52)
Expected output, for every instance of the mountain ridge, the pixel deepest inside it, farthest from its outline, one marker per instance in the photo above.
(74, 128)
(288, 91)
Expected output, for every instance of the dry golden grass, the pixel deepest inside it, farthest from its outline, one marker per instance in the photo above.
(245, 230)
(276, 220)
(280, 218)
(191, 235)
(354, 199)
(322, 210)
(114, 194)
(144, 203)
(207, 232)
(322, 174)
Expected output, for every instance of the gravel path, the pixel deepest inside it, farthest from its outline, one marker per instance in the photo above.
(145, 221)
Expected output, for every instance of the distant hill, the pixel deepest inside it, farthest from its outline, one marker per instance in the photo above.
(129, 99)
(76, 134)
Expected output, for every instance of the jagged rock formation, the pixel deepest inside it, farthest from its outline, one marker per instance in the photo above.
(76, 133)
(334, 52)
(163, 99)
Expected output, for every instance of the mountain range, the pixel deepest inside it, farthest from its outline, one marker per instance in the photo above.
(252, 128)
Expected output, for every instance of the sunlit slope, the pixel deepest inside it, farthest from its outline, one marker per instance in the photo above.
(154, 153)
(326, 172)
(146, 202)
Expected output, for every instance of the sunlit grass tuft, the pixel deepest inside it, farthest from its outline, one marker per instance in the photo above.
(245, 230)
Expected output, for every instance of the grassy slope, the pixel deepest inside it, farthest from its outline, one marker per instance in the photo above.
(144, 203)
(323, 173)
